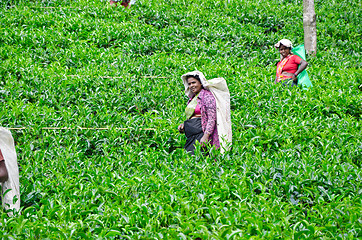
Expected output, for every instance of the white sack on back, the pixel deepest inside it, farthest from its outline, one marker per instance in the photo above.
(10, 188)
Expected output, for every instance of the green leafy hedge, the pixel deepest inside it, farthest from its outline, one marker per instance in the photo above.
(295, 167)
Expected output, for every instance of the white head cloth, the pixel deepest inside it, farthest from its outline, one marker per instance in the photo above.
(10, 188)
(219, 89)
(284, 42)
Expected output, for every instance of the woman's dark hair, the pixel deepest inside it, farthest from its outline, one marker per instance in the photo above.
(194, 76)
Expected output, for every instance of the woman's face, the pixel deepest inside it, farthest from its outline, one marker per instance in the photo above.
(194, 85)
(284, 51)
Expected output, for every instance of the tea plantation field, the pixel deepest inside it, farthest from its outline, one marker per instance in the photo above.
(295, 168)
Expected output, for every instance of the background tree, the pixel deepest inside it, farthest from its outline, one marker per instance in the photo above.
(309, 25)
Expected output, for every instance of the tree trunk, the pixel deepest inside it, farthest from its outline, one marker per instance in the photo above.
(309, 25)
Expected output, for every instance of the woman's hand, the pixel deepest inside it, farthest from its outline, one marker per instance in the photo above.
(303, 65)
(204, 140)
(181, 128)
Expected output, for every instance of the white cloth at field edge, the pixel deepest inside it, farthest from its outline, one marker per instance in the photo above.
(11, 199)
(219, 89)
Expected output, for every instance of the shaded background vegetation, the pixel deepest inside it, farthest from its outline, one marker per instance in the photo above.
(295, 167)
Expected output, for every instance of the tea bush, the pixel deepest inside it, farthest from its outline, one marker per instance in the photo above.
(295, 167)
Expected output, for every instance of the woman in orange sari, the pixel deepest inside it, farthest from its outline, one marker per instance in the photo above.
(290, 65)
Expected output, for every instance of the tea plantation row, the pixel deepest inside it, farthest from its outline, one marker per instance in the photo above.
(295, 168)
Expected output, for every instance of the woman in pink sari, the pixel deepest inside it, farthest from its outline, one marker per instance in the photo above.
(124, 3)
(289, 66)
(201, 116)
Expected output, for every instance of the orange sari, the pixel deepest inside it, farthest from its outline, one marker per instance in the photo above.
(280, 67)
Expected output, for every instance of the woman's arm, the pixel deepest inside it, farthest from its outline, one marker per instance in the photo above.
(303, 65)
(210, 107)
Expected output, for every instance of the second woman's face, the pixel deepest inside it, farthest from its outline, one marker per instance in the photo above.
(194, 85)
(284, 51)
